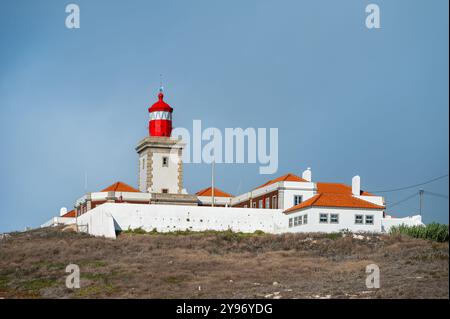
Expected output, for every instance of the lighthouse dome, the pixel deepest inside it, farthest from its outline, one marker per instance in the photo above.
(160, 105)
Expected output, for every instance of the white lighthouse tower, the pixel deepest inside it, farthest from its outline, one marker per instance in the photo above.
(160, 164)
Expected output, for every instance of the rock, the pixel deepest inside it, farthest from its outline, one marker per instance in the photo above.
(70, 228)
(275, 283)
(277, 297)
(268, 295)
(4, 236)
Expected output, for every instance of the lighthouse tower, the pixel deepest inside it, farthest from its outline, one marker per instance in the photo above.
(160, 164)
(160, 123)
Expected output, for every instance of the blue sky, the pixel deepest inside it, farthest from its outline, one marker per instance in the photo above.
(347, 100)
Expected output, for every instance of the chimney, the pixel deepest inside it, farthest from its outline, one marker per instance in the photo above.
(356, 185)
(306, 175)
(62, 211)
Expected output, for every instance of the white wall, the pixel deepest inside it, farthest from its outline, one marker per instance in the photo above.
(167, 218)
(207, 200)
(377, 200)
(59, 221)
(165, 177)
(288, 196)
(388, 222)
(97, 222)
(105, 219)
(346, 220)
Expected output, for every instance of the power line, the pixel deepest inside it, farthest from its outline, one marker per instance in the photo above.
(402, 201)
(411, 186)
(436, 194)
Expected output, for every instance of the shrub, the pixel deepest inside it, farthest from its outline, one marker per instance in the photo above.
(135, 231)
(434, 231)
(333, 236)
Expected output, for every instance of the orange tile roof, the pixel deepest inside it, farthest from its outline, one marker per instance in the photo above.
(120, 187)
(334, 200)
(217, 192)
(72, 213)
(285, 178)
(337, 188)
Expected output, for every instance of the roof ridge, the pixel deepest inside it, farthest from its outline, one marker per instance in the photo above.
(317, 196)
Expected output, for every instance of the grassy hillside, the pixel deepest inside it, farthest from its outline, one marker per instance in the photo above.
(221, 265)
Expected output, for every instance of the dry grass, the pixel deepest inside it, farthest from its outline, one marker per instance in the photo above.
(221, 265)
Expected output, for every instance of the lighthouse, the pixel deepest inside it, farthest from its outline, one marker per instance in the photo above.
(160, 123)
(160, 165)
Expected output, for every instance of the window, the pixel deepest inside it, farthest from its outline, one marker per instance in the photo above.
(297, 199)
(268, 202)
(323, 218)
(369, 219)
(290, 222)
(334, 218)
(305, 219)
(300, 220)
(165, 161)
(296, 221)
(274, 202)
(164, 191)
(358, 219)
(260, 203)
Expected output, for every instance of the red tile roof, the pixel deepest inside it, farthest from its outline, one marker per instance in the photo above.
(337, 188)
(334, 200)
(120, 187)
(285, 178)
(217, 192)
(72, 213)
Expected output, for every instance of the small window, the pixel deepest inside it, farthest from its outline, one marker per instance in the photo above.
(268, 202)
(369, 219)
(305, 219)
(260, 203)
(297, 199)
(358, 219)
(323, 218)
(334, 219)
(165, 161)
(290, 222)
(296, 221)
(274, 202)
(164, 191)
(300, 220)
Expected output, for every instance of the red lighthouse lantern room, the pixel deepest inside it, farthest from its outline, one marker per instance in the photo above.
(160, 123)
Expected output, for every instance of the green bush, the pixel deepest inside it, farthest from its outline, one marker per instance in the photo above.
(434, 231)
(135, 231)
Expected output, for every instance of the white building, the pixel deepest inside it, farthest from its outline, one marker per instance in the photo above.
(288, 203)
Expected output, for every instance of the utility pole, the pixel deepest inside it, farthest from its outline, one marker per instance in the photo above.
(420, 201)
(212, 183)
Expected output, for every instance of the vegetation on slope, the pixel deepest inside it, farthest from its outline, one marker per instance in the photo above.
(434, 231)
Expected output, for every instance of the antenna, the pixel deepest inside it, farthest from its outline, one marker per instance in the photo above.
(161, 88)
(85, 181)
(212, 182)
